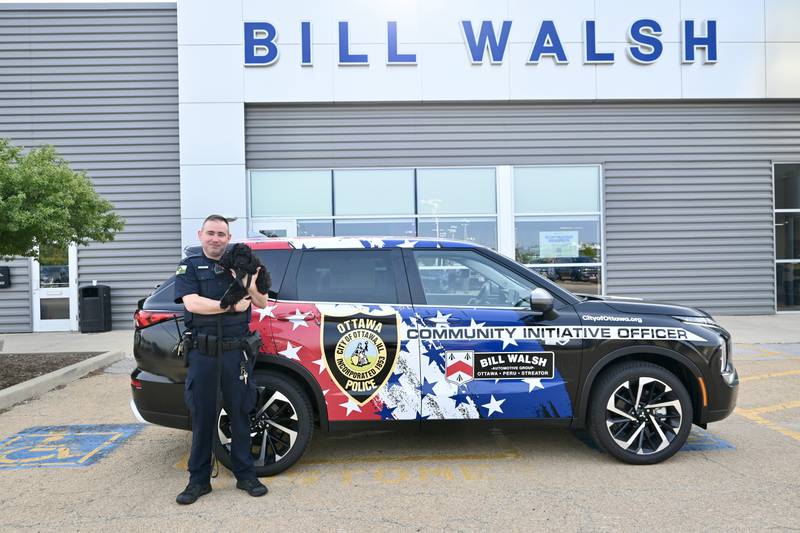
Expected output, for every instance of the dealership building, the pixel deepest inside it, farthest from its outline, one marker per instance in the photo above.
(644, 149)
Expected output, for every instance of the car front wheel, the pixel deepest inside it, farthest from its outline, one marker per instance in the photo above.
(640, 413)
(280, 426)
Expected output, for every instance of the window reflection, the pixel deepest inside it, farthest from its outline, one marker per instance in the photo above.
(787, 276)
(476, 230)
(375, 227)
(580, 279)
(787, 235)
(53, 266)
(550, 240)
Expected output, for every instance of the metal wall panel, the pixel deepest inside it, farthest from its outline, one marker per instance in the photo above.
(687, 186)
(100, 83)
(15, 301)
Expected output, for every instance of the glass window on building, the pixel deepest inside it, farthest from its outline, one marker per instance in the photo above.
(447, 203)
(787, 236)
(558, 224)
(458, 204)
(290, 193)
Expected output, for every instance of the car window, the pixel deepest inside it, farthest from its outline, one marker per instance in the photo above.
(276, 262)
(347, 276)
(467, 278)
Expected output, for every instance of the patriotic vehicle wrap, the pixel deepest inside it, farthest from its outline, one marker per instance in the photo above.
(545, 355)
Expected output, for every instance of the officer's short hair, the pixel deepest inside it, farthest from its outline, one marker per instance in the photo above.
(217, 218)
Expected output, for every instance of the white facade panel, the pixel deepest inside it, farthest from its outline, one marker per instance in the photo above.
(549, 80)
(568, 17)
(286, 17)
(614, 18)
(629, 80)
(446, 78)
(211, 134)
(783, 70)
(285, 83)
(200, 182)
(210, 22)
(781, 20)
(742, 76)
(224, 61)
(398, 83)
(741, 21)
(440, 20)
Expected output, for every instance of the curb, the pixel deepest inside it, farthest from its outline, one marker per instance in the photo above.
(63, 376)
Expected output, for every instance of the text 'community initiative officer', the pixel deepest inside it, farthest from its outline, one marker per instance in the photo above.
(200, 283)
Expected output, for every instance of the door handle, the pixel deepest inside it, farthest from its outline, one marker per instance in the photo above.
(305, 316)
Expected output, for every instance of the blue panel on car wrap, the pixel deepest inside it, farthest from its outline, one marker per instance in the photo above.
(474, 364)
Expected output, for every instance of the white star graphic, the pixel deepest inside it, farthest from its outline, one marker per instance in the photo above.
(407, 244)
(494, 406)
(376, 243)
(325, 392)
(298, 319)
(440, 320)
(474, 324)
(509, 340)
(533, 383)
(351, 406)
(321, 363)
(267, 311)
(291, 351)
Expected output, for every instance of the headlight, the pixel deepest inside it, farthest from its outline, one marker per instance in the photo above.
(702, 320)
(723, 356)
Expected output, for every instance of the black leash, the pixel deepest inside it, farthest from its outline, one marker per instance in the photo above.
(218, 404)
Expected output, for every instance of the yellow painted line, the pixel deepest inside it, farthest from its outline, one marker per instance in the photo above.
(182, 464)
(106, 444)
(757, 411)
(754, 415)
(769, 375)
(413, 458)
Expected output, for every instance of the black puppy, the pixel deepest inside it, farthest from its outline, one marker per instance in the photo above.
(241, 259)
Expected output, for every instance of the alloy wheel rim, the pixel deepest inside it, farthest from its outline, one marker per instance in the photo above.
(274, 427)
(643, 415)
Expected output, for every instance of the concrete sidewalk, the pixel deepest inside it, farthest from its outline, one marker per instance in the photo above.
(759, 329)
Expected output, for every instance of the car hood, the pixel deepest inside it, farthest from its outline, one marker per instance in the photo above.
(642, 307)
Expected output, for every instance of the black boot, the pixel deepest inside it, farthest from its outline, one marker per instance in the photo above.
(253, 486)
(191, 493)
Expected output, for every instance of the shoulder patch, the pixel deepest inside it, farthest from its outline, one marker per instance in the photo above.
(181, 270)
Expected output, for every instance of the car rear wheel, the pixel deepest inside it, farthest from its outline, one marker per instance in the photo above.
(280, 426)
(640, 413)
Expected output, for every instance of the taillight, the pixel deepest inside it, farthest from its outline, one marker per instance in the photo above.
(144, 318)
(136, 384)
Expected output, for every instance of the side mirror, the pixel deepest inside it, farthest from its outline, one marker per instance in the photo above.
(541, 301)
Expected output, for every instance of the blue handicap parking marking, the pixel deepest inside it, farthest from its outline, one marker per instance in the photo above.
(699, 440)
(63, 446)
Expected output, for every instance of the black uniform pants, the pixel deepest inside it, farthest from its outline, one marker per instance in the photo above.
(201, 396)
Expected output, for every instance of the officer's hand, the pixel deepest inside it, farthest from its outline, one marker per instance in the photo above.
(242, 305)
(252, 287)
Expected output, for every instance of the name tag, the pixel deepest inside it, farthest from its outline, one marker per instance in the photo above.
(202, 267)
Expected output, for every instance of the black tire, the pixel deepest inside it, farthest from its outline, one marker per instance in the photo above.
(280, 433)
(640, 413)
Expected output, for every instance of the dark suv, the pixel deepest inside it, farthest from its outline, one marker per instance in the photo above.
(384, 331)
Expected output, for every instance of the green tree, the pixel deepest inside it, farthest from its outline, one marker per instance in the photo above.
(43, 202)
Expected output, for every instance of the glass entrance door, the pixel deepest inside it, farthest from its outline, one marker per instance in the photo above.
(54, 289)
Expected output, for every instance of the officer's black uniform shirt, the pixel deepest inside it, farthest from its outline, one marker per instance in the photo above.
(203, 276)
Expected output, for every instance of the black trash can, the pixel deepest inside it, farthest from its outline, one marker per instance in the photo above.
(94, 308)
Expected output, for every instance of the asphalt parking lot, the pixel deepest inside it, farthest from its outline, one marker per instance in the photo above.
(743, 474)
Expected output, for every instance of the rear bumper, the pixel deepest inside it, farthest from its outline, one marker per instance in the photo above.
(159, 401)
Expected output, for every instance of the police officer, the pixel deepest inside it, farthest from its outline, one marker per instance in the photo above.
(200, 283)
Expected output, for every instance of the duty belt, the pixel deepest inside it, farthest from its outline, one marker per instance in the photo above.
(207, 344)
